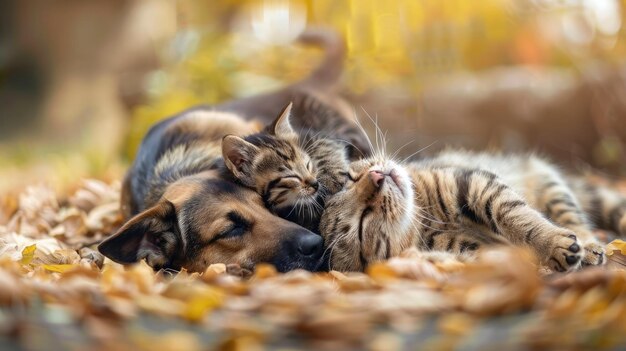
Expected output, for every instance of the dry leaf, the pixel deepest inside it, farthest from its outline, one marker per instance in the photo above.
(616, 253)
(59, 268)
(28, 254)
(330, 310)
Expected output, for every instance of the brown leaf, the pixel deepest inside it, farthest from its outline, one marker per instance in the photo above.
(583, 280)
(616, 253)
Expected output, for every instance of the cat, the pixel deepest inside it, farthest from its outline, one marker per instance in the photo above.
(293, 172)
(460, 201)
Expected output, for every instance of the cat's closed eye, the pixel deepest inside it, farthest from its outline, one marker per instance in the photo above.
(348, 176)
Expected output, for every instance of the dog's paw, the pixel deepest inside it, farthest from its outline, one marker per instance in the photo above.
(566, 252)
(594, 254)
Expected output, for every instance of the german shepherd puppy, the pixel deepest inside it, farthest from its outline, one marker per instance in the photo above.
(187, 211)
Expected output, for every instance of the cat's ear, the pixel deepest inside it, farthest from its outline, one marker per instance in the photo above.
(282, 124)
(238, 156)
(152, 234)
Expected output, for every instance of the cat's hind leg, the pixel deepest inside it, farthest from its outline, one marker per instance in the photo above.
(606, 207)
(559, 203)
(452, 240)
(482, 198)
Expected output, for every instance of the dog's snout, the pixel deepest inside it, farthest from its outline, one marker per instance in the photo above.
(309, 244)
(302, 249)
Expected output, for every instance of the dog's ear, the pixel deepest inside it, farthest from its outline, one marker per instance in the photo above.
(239, 156)
(281, 126)
(152, 234)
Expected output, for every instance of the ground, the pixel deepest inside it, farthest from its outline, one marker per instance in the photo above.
(58, 293)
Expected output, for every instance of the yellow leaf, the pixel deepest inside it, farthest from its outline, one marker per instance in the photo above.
(616, 246)
(197, 308)
(28, 254)
(264, 270)
(202, 303)
(381, 271)
(59, 268)
(616, 253)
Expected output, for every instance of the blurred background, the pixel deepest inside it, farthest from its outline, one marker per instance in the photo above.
(82, 81)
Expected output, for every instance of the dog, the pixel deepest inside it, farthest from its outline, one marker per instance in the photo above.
(185, 210)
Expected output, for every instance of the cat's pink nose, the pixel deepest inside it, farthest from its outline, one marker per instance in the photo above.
(377, 177)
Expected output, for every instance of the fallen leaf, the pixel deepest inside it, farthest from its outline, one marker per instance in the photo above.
(28, 254)
(59, 268)
(616, 253)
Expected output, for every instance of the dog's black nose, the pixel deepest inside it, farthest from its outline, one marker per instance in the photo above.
(301, 250)
(309, 244)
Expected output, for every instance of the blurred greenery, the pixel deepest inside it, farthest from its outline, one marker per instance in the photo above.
(402, 44)
(170, 56)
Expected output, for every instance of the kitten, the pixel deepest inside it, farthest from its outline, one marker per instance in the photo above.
(293, 173)
(460, 201)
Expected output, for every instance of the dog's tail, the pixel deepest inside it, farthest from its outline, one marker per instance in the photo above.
(329, 71)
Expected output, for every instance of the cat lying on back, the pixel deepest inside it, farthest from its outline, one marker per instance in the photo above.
(459, 202)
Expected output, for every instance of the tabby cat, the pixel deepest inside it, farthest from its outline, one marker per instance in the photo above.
(293, 172)
(460, 201)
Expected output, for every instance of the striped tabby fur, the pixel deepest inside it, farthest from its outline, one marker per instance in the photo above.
(293, 172)
(459, 202)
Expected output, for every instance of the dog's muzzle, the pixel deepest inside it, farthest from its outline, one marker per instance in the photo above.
(302, 249)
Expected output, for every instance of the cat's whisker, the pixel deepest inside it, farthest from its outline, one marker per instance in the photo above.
(424, 211)
(293, 208)
(393, 156)
(306, 138)
(360, 126)
(418, 151)
(379, 152)
(313, 144)
(384, 138)
(313, 139)
(351, 144)
(331, 247)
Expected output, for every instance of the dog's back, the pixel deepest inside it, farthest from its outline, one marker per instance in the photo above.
(183, 145)
(188, 143)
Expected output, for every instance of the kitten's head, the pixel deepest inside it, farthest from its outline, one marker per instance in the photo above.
(273, 163)
(369, 220)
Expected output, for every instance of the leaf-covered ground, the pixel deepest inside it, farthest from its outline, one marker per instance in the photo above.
(56, 292)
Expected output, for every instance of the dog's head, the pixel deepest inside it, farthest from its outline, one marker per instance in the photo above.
(205, 219)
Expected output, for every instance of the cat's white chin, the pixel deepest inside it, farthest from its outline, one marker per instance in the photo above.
(401, 191)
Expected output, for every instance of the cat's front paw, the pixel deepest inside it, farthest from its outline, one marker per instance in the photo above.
(566, 252)
(594, 254)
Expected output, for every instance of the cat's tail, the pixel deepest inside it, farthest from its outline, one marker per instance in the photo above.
(321, 81)
(606, 207)
(328, 72)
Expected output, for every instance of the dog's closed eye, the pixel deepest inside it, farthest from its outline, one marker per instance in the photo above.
(238, 227)
(231, 232)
